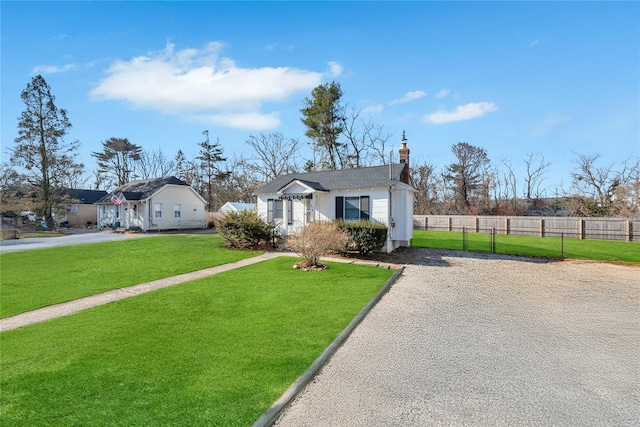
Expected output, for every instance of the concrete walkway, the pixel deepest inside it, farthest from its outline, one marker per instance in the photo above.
(74, 306)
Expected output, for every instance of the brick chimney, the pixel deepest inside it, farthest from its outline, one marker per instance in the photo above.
(404, 159)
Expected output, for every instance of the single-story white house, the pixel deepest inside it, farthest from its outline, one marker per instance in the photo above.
(381, 194)
(236, 207)
(166, 203)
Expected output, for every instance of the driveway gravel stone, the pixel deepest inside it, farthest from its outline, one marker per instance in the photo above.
(487, 341)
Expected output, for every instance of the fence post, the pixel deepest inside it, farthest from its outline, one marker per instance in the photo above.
(541, 227)
(629, 232)
(426, 222)
(477, 220)
(507, 225)
(493, 240)
(449, 223)
(464, 239)
(581, 229)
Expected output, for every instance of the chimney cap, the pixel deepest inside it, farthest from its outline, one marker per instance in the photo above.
(404, 137)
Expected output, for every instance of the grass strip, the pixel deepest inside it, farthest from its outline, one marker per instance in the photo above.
(217, 351)
(41, 277)
(550, 247)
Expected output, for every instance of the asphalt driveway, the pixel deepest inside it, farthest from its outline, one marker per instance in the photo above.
(76, 237)
(482, 341)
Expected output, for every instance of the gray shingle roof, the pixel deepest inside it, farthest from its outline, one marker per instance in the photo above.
(85, 197)
(143, 189)
(376, 176)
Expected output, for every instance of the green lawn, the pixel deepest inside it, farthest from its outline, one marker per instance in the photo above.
(40, 277)
(217, 351)
(532, 246)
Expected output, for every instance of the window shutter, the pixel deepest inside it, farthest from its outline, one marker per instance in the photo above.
(269, 210)
(339, 207)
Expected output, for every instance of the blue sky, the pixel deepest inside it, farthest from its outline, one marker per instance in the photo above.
(511, 77)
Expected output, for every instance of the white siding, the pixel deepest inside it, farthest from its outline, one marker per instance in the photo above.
(324, 208)
(192, 209)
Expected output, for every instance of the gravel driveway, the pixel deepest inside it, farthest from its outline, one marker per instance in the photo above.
(488, 341)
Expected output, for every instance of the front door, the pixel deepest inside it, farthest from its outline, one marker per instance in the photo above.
(133, 216)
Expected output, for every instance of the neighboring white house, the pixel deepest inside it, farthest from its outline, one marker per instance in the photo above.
(236, 207)
(381, 194)
(166, 203)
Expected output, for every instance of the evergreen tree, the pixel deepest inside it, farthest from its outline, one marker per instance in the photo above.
(117, 160)
(210, 155)
(325, 122)
(40, 147)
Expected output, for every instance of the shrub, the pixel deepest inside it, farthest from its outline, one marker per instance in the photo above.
(244, 229)
(315, 240)
(364, 236)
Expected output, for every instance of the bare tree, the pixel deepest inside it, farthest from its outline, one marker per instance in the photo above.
(275, 155)
(154, 164)
(536, 168)
(365, 141)
(604, 190)
(238, 185)
(16, 193)
(510, 184)
(424, 179)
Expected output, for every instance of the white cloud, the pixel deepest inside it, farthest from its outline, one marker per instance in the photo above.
(372, 109)
(201, 82)
(335, 69)
(244, 121)
(409, 96)
(533, 43)
(462, 112)
(53, 69)
(443, 93)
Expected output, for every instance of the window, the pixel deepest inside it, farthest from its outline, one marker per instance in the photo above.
(177, 210)
(352, 208)
(103, 211)
(289, 212)
(72, 208)
(117, 211)
(274, 209)
(157, 210)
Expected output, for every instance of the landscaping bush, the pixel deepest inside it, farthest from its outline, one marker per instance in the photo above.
(364, 236)
(315, 240)
(245, 229)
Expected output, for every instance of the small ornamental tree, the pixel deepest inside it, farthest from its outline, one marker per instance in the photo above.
(245, 229)
(315, 240)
